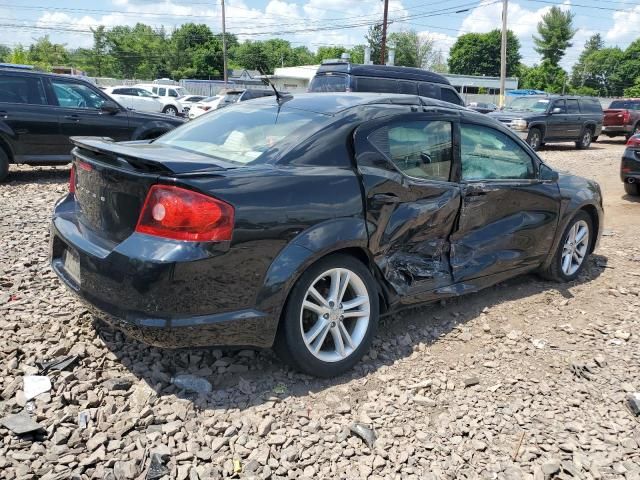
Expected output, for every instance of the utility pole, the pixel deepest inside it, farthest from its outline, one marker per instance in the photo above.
(503, 53)
(224, 45)
(384, 33)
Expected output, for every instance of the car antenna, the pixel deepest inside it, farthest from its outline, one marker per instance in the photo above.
(280, 98)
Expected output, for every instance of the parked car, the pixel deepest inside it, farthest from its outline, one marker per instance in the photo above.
(40, 111)
(338, 76)
(622, 118)
(630, 166)
(482, 107)
(297, 223)
(555, 118)
(204, 106)
(169, 95)
(135, 98)
(189, 101)
(234, 96)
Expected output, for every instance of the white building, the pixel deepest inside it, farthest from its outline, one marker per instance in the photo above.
(293, 79)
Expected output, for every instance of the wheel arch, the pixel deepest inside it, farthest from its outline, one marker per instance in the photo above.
(595, 219)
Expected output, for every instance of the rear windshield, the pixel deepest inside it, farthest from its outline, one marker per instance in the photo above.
(329, 83)
(244, 132)
(626, 104)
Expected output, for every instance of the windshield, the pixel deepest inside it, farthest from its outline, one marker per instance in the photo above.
(529, 104)
(328, 83)
(244, 132)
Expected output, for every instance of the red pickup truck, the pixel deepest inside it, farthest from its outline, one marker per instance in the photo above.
(622, 118)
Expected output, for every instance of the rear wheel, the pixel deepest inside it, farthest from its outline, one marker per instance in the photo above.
(330, 318)
(170, 110)
(585, 139)
(632, 188)
(573, 250)
(534, 139)
(635, 131)
(4, 165)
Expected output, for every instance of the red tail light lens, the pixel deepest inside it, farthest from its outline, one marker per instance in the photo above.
(180, 214)
(72, 180)
(626, 116)
(206, 108)
(634, 141)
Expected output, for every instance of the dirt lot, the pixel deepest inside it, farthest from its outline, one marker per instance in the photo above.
(527, 417)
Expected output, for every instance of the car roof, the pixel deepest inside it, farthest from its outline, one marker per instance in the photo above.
(333, 103)
(384, 71)
(24, 71)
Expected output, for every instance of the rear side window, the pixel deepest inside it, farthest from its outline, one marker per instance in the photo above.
(489, 154)
(449, 95)
(19, 89)
(572, 106)
(591, 106)
(428, 90)
(419, 149)
(155, 90)
(329, 83)
(407, 87)
(162, 92)
(378, 85)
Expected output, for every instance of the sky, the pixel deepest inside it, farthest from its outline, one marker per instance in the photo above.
(316, 23)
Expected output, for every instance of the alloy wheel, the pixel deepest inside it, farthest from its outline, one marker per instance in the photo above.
(335, 315)
(575, 248)
(171, 111)
(586, 139)
(534, 140)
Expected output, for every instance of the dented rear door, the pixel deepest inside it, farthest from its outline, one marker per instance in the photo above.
(411, 204)
(508, 217)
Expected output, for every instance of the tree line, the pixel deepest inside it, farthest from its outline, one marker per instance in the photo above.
(194, 51)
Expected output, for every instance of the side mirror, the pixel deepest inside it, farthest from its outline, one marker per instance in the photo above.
(110, 106)
(547, 174)
(556, 110)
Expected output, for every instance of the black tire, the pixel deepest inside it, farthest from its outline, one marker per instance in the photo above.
(289, 344)
(632, 189)
(4, 165)
(586, 137)
(554, 270)
(534, 139)
(636, 131)
(595, 139)
(170, 110)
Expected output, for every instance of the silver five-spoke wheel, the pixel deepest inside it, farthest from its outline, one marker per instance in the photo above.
(575, 248)
(334, 318)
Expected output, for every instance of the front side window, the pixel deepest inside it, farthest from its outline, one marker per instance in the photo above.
(162, 92)
(173, 93)
(488, 154)
(559, 104)
(21, 89)
(419, 149)
(76, 95)
(244, 132)
(329, 83)
(572, 106)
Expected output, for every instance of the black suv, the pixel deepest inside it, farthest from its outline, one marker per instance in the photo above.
(40, 111)
(542, 119)
(352, 77)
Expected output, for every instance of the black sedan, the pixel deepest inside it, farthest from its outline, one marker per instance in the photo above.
(630, 166)
(297, 222)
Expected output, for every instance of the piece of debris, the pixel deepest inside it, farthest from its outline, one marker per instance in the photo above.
(622, 335)
(237, 466)
(117, 384)
(20, 423)
(83, 419)
(157, 468)
(59, 363)
(34, 385)
(539, 343)
(633, 400)
(582, 370)
(471, 381)
(600, 360)
(608, 233)
(364, 432)
(192, 383)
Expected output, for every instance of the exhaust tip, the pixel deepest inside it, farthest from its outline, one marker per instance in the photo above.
(631, 180)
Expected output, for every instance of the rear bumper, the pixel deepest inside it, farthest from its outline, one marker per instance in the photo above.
(171, 295)
(616, 130)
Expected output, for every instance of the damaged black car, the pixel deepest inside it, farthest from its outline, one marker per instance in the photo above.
(296, 222)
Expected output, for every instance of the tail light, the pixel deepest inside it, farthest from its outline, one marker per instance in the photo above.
(72, 180)
(180, 214)
(634, 141)
(206, 108)
(626, 116)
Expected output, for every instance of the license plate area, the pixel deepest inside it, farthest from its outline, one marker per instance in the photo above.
(71, 264)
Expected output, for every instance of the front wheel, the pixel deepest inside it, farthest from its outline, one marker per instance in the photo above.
(534, 139)
(573, 250)
(330, 318)
(4, 165)
(170, 110)
(585, 140)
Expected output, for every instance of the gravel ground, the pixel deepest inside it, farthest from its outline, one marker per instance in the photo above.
(526, 380)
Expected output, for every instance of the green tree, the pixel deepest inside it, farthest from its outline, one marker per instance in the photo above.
(374, 40)
(45, 54)
(252, 55)
(555, 32)
(139, 51)
(604, 71)
(302, 56)
(5, 53)
(479, 54)
(19, 55)
(325, 53)
(546, 76)
(413, 50)
(633, 91)
(357, 54)
(580, 72)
